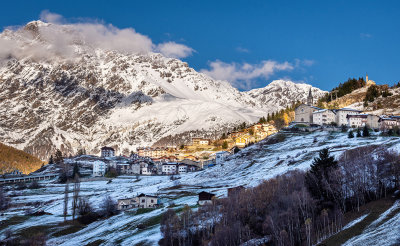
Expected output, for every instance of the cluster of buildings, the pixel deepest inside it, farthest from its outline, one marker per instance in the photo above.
(309, 114)
(145, 165)
(252, 134)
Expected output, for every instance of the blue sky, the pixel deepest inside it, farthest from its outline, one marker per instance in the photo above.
(252, 43)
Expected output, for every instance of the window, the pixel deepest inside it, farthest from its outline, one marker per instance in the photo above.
(143, 200)
(152, 201)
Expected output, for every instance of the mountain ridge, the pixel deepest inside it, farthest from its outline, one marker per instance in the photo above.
(104, 97)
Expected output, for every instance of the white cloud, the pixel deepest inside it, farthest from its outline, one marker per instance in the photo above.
(172, 49)
(57, 39)
(365, 35)
(49, 17)
(237, 73)
(242, 50)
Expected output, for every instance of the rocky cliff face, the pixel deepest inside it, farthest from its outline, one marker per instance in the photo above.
(94, 97)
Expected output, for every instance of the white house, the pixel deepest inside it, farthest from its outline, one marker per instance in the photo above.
(99, 168)
(147, 201)
(341, 115)
(141, 201)
(145, 168)
(221, 156)
(373, 121)
(357, 120)
(182, 168)
(169, 168)
(324, 117)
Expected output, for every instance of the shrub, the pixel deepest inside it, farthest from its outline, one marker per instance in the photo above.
(111, 173)
(34, 185)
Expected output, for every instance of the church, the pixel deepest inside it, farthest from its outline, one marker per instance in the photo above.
(304, 112)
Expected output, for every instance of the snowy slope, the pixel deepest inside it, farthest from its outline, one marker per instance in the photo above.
(249, 167)
(383, 231)
(91, 96)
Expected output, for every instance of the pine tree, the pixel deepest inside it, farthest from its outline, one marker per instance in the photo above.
(51, 161)
(58, 157)
(358, 133)
(366, 132)
(323, 162)
(66, 191)
(320, 169)
(75, 171)
(351, 134)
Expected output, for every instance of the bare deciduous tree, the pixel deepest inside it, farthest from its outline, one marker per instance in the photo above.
(66, 193)
(75, 198)
(108, 207)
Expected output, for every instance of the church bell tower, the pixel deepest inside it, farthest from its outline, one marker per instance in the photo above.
(310, 100)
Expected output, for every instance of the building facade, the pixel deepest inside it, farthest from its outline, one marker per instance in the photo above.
(169, 168)
(341, 115)
(99, 168)
(356, 120)
(200, 141)
(221, 156)
(107, 152)
(324, 117)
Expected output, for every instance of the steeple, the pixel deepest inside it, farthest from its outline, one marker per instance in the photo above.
(366, 79)
(310, 100)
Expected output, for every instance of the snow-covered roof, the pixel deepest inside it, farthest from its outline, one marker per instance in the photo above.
(348, 109)
(323, 110)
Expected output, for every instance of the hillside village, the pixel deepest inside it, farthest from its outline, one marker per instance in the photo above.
(176, 164)
(200, 154)
(309, 115)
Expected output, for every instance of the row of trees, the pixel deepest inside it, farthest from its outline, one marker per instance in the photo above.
(375, 91)
(365, 133)
(343, 89)
(282, 117)
(297, 208)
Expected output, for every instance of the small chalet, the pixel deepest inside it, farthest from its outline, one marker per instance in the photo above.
(127, 203)
(205, 198)
(140, 201)
(107, 152)
(147, 201)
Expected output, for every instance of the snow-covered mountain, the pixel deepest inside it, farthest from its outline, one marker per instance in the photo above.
(84, 96)
(282, 93)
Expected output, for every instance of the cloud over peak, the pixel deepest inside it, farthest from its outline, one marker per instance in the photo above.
(241, 75)
(58, 37)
